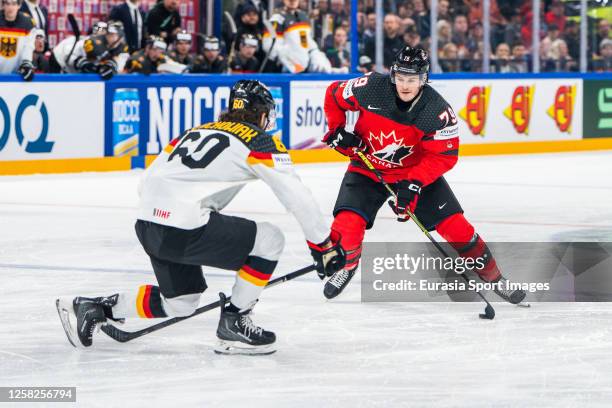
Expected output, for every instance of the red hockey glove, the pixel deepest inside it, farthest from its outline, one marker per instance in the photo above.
(408, 192)
(340, 138)
(328, 257)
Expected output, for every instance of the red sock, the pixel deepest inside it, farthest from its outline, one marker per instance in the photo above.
(462, 236)
(349, 228)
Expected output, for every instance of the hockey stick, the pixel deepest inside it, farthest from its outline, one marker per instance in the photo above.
(77, 35)
(234, 32)
(270, 28)
(489, 311)
(125, 336)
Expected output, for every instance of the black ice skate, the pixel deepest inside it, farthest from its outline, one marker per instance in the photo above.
(82, 316)
(338, 281)
(238, 335)
(509, 295)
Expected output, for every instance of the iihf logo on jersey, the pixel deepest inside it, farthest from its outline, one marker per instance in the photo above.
(389, 148)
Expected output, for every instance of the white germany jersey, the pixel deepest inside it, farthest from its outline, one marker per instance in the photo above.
(16, 43)
(203, 170)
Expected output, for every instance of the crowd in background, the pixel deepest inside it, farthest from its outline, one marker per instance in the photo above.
(156, 37)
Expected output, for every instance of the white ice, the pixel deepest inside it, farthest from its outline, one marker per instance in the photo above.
(73, 234)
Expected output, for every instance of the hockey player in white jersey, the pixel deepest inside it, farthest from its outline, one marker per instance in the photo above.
(16, 40)
(288, 40)
(181, 227)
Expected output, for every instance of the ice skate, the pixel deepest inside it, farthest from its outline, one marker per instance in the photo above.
(338, 281)
(238, 334)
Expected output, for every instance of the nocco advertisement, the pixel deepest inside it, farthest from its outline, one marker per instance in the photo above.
(50, 121)
(145, 117)
(524, 110)
(490, 111)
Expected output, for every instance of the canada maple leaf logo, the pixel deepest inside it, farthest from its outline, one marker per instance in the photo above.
(388, 148)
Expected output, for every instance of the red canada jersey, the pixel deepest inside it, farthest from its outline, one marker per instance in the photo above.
(419, 144)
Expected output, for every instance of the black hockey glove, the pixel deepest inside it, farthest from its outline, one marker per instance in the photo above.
(340, 138)
(107, 69)
(408, 192)
(85, 66)
(26, 70)
(328, 257)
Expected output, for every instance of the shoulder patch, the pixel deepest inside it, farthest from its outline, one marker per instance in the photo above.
(449, 132)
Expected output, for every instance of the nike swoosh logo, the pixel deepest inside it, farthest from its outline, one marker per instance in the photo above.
(442, 206)
(373, 107)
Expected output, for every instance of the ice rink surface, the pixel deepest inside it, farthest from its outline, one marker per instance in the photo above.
(65, 235)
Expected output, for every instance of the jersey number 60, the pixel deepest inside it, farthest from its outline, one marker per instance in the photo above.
(189, 155)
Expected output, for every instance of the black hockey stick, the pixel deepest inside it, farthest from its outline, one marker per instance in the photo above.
(489, 311)
(124, 336)
(77, 35)
(234, 32)
(272, 31)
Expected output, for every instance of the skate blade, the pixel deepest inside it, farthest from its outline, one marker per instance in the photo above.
(238, 348)
(66, 314)
(524, 305)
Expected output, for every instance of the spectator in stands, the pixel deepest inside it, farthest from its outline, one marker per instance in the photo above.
(520, 59)
(370, 25)
(604, 62)
(164, 20)
(244, 61)
(421, 18)
(444, 10)
(393, 41)
(460, 35)
(444, 33)
(339, 56)
(38, 13)
(556, 15)
(500, 62)
(572, 38)
(512, 30)
(558, 59)
(132, 17)
(413, 38)
(546, 43)
(181, 47)
(449, 58)
(211, 62)
(475, 37)
(40, 57)
(603, 31)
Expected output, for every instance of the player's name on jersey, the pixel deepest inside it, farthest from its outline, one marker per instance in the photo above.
(243, 131)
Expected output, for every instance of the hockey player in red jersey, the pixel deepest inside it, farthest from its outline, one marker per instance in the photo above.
(410, 135)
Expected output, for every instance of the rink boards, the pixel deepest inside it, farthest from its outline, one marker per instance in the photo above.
(76, 123)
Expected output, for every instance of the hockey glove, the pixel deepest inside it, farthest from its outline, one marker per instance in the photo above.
(408, 192)
(26, 70)
(85, 66)
(107, 69)
(340, 138)
(328, 257)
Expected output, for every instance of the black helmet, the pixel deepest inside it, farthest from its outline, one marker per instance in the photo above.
(252, 95)
(411, 61)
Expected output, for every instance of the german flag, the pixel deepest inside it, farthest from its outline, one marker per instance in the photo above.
(148, 302)
(170, 147)
(260, 158)
(302, 25)
(254, 276)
